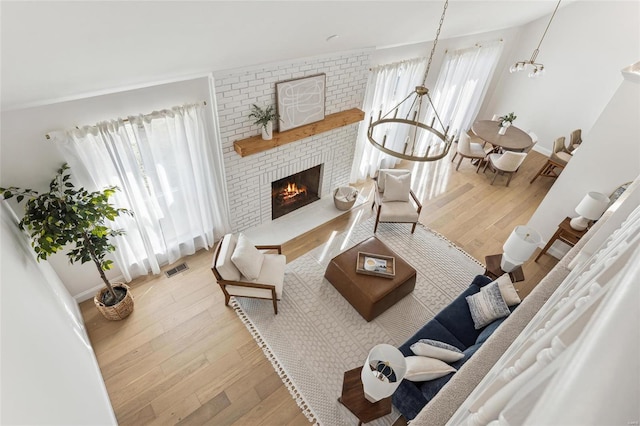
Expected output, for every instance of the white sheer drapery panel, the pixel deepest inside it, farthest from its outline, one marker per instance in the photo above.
(175, 155)
(387, 86)
(101, 156)
(461, 86)
(591, 310)
(162, 163)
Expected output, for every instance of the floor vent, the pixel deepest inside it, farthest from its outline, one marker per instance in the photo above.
(181, 267)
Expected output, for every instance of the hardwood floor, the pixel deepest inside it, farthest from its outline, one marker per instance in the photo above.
(182, 357)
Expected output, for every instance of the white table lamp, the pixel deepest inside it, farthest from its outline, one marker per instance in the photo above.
(590, 208)
(520, 245)
(382, 372)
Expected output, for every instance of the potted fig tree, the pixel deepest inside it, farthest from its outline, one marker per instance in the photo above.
(264, 118)
(69, 215)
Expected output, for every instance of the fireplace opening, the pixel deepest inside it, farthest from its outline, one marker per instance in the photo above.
(295, 191)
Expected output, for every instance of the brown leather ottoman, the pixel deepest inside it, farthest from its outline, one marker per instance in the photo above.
(368, 294)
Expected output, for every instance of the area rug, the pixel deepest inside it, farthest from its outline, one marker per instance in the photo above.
(317, 335)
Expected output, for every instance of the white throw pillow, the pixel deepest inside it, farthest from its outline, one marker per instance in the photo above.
(247, 258)
(396, 188)
(487, 305)
(508, 291)
(438, 350)
(422, 368)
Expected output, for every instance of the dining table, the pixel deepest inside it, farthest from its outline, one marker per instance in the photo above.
(514, 139)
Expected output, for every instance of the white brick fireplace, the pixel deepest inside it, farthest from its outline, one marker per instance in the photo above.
(249, 178)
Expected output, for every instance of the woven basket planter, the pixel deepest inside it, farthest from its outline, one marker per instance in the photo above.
(120, 310)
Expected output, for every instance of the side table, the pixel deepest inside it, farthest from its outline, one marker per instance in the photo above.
(494, 271)
(566, 234)
(353, 398)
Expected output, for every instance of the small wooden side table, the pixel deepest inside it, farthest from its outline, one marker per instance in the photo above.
(494, 271)
(566, 234)
(353, 398)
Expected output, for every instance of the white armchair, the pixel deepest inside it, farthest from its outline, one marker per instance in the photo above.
(242, 270)
(395, 200)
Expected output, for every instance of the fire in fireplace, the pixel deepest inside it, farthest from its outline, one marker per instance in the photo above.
(295, 191)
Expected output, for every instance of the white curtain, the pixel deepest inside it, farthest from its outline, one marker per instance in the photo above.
(462, 83)
(170, 176)
(387, 86)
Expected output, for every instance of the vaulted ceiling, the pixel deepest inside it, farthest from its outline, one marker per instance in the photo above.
(55, 50)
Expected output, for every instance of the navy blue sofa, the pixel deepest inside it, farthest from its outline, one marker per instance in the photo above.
(452, 325)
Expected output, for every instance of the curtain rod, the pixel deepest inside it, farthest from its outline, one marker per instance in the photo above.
(48, 136)
(404, 61)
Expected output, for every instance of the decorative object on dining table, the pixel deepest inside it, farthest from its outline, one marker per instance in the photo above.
(423, 141)
(538, 68)
(520, 245)
(376, 264)
(590, 208)
(382, 372)
(505, 122)
(264, 118)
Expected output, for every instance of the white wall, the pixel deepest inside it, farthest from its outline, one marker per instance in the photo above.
(509, 36)
(30, 161)
(49, 371)
(608, 157)
(587, 44)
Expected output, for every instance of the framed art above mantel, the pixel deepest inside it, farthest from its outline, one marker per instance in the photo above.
(300, 101)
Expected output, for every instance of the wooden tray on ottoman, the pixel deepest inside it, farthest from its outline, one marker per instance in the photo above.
(389, 272)
(370, 295)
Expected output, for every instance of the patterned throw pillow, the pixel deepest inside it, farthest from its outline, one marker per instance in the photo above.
(438, 350)
(487, 305)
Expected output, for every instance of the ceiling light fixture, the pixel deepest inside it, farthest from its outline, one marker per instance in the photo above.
(423, 141)
(538, 68)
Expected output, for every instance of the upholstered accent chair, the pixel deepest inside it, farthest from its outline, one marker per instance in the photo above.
(394, 198)
(507, 163)
(243, 270)
(471, 150)
(575, 139)
(556, 162)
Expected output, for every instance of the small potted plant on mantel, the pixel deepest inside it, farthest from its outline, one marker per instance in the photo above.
(264, 118)
(66, 215)
(505, 122)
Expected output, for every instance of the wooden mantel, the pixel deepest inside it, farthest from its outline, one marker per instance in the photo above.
(256, 144)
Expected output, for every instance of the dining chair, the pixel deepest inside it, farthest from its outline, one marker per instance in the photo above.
(471, 150)
(506, 163)
(396, 202)
(556, 162)
(574, 140)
